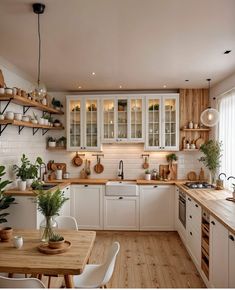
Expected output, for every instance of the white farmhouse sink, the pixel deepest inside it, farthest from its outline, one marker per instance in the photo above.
(122, 188)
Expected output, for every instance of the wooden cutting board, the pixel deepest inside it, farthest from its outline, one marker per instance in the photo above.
(55, 166)
(173, 171)
(192, 176)
(164, 171)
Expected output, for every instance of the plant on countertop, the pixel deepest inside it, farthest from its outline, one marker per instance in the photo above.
(37, 184)
(56, 238)
(171, 158)
(147, 171)
(212, 154)
(49, 204)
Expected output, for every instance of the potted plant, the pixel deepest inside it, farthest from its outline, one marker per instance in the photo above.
(21, 172)
(57, 123)
(46, 119)
(56, 241)
(211, 159)
(56, 104)
(34, 119)
(147, 174)
(51, 142)
(49, 204)
(171, 158)
(62, 141)
(32, 171)
(5, 202)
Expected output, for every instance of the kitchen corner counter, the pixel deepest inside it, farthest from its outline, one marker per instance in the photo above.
(81, 181)
(214, 201)
(159, 182)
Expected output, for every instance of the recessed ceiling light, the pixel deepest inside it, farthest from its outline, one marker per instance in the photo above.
(93, 73)
(79, 87)
(187, 80)
(227, 51)
(164, 86)
(120, 87)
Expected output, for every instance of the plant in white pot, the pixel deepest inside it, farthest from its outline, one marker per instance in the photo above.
(51, 142)
(32, 171)
(147, 174)
(5, 202)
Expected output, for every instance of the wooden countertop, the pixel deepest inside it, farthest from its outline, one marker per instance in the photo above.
(214, 201)
(82, 181)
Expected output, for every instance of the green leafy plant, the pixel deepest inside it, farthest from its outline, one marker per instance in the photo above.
(56, 238)
(171, 157)
(147, 171)
(5, 200)
(37, 184)
(212, 154)
(51, 139)
(56, 103)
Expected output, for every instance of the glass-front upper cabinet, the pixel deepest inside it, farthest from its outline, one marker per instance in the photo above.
(108, 131)
(83, 126)
(136, 119)
(122, 119)
(162, 122)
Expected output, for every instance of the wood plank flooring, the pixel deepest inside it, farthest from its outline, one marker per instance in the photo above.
(146, 260)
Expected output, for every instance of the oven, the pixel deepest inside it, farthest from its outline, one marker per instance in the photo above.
(182, 208)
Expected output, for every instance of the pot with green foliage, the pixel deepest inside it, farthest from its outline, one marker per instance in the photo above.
(211, 159)
(49, 204)
(56, 242)
(147, 174)
(171, 158)
(5, 202)
(51, 142)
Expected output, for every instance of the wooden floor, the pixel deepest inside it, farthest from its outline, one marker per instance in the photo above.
(147, 260)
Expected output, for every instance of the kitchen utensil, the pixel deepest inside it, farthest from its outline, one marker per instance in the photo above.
(146, 164)
(192, 176)
(199, 142)
(77, 160)
(2, 82)
(88, 167)
(201, 175)
(83, 174)
(55, 166)
(44, 248)
(99, 168)
(163, 171)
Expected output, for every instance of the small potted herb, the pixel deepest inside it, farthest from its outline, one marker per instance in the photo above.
(147, 174)
(5, 202)
(61, 141)
(57, 123)
(56, 104)
(22, 172)
(51, 142)
(171, 158)
(56, 241)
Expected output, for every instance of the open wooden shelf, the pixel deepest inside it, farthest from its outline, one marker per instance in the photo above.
(57, 148)
(190, 150)
(28, 124)
(29, 103)
(195, 130)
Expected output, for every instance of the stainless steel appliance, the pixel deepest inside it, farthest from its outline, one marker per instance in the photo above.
(182, 208)
(198, 185)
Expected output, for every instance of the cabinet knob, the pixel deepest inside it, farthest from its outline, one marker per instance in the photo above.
(213, 223)
(155, 186)
(85, 185)
(231, 237)
(196, 205)
(120, 197)
(191, 233)
(189, 199)
(190, 216)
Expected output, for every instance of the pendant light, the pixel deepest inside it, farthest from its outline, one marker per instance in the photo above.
(40, 91)
(210, 116)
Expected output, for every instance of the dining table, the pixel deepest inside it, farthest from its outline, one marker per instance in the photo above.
(28, 259)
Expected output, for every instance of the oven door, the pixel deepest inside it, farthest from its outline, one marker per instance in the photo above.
(182, 210)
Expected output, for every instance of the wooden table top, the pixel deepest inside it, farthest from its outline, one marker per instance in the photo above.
(28, 260)
(214, 201)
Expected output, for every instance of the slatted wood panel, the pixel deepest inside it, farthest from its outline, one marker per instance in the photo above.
(146, 260)
(192, 103)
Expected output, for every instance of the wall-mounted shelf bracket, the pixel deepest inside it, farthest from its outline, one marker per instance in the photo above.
(25, 109)
(7, 104)
(35, 131)
(20, 129)
(2, 128)
(44, 131)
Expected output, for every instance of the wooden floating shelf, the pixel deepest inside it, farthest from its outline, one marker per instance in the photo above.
(57, 148)
(28, 124)
(29, 103)
(196, 130)
(190, 150)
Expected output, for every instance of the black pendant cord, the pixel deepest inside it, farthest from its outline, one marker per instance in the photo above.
(39, 50)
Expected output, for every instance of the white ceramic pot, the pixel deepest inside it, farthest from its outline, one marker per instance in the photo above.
(22, 185)
(46, 122)
(52, 144)
(34, 121)
(18, 242)
(41, 121)
(2, 117)
(57, 124)
(29, 182)
(147, 176)
(18, 116)
(8, 91)
(44, 101)
(2, 91)
(58, 174)
(9, 115)
(25, 118)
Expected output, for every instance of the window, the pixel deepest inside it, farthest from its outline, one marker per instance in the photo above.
(227, 133)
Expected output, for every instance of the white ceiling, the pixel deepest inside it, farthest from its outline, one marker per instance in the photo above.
(139, 44)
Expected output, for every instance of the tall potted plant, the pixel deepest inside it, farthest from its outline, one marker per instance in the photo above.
(5, 202)
(211, 159)
(49, 204)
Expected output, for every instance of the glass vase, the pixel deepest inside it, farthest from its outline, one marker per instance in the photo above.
(47, 227)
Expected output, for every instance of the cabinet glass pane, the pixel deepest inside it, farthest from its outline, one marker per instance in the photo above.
(170, 122)
(75, 125)
(108, 106)
(153, 119)
(91, 123)
(136, 118)
(122, 118)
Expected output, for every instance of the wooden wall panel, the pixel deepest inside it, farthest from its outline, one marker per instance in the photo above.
(192, 103)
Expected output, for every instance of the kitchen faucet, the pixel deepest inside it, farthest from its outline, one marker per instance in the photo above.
(230, 177)
(120, 171)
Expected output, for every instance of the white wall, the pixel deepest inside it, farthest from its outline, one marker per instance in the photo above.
(223, 86)
(13, 145)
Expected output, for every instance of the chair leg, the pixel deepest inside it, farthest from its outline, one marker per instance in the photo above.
(49, 281)
(40, 276)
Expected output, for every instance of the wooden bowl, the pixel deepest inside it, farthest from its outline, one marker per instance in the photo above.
(6, 234)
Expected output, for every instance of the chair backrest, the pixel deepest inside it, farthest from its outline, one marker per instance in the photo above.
(109, 264)
(20, 283)
(67, 223)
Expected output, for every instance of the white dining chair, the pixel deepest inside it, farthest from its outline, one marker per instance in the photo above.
(97, 276)
(20, 283)
(67, 222)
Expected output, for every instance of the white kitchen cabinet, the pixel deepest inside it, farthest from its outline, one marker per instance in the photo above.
(219, 261)
(231, 272)
(65, 210)
(83, 123)
(162, 122)
(121, 213)
(193, 214)
(24, 214)
(122, 119)
(87, 206)
(157, 207)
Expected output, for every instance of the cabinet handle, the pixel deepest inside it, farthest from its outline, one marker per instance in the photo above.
(155, 186)
(67, 188)
(120, 197)
(190, 216)
(231, 238)
(189, 199)
(196, 205)
(86, 185)
(213, 223)
(163, 147)
(191, 233)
